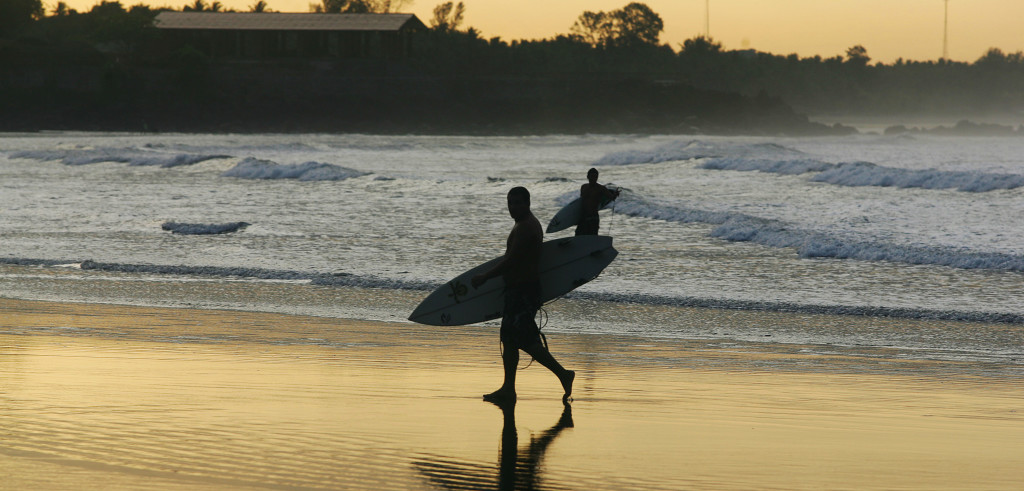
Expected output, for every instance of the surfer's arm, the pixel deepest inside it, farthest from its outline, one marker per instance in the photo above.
(511, 257)
(518, 253)
(609, 193)
(497, 270)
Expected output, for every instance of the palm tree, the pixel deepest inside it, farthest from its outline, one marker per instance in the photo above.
(357, 6)
(62, 9)
(198, 6)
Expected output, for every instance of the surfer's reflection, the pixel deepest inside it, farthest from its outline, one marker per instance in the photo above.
(517, 468)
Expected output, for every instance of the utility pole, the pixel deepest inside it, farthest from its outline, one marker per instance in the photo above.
(945, 32)
(707, 18)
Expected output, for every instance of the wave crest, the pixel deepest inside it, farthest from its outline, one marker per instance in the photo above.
(868, 174)
(696, 149)
(252, 168)
(130, 156)
(738, 227)
(786, 167)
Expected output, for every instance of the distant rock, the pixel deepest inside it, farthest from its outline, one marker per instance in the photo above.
(962, 128)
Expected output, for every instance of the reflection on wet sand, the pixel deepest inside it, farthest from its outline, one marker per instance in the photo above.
(110, 397)
(517, 469)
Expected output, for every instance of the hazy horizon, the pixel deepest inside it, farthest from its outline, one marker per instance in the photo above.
(909, 29)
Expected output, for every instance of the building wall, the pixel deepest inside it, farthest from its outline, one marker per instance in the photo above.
(295, 44)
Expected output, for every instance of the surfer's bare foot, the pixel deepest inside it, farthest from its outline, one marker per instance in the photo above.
(566, 380)
(500, 396)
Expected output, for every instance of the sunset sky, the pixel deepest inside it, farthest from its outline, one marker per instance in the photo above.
(889, 29)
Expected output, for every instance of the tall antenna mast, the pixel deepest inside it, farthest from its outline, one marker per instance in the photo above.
(707, 19)
(945, 32)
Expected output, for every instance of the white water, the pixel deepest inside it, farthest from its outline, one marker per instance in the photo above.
(907, 226)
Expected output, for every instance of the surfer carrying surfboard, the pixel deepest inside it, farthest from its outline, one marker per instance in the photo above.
(592, 197)
(519, 267)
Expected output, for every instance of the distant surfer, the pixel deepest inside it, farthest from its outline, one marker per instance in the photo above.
(519, 267)
(592, 197)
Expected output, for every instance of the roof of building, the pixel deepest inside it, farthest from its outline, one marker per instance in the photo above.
(275, 21)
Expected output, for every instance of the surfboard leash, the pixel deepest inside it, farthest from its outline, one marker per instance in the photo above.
(543, 313)
(614, 202)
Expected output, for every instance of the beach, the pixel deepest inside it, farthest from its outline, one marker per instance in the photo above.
(129, 397)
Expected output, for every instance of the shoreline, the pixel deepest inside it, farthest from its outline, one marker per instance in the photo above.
(120, 397)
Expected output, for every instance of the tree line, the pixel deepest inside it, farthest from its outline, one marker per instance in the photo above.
(625, 43)
(617, 46)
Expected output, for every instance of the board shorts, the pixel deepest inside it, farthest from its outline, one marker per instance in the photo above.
(518, 325)
(588, 226)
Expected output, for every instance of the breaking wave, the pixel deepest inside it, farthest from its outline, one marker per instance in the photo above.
(787, 167)
(738, 227)
(696, 149)
(130, 156)
(868, 174)
(773, 158)
(854, 174)
(252, 168)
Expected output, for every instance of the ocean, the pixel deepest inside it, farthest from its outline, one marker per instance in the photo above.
(868, 246)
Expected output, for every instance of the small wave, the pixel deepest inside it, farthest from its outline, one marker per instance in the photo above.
(854, 174)
(367, 281)
(328, 279)
(634, 205)
(323, 279)
(252, 168)
(738, 227)
(811, 244)
(672, 151)
(786, 167)
(236, 149)
(696, 149)
(868, 174)
(203, 228)
(789, 307)
(130, 156)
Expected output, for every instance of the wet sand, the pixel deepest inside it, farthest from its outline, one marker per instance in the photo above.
(114, 397)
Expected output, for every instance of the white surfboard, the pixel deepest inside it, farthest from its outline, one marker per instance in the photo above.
(569, 215)
(564, 265)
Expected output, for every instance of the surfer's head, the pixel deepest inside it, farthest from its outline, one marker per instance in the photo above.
(592, 175)
(518, 202)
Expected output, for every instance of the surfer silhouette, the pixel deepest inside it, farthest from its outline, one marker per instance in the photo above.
(519, 267)
(592, 197)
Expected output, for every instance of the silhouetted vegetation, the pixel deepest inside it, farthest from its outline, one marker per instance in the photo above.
(357, 6)
(109, 68)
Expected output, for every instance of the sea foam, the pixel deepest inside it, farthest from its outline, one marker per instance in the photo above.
(868, 174)
(369, 281)
(778, 159)
(786, 167)
(252, 168)
(696, 149)
(739, 227)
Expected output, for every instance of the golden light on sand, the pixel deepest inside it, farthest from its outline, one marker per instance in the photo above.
(369, 405)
